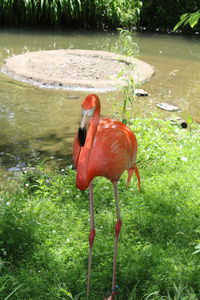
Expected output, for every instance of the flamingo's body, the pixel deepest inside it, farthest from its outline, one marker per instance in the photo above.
(103, 147)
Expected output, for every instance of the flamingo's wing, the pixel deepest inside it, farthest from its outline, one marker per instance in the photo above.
(113, 151)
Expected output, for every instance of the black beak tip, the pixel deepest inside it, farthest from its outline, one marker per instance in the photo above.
(82, 136)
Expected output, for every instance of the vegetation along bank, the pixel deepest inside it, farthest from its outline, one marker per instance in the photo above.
(96, 14)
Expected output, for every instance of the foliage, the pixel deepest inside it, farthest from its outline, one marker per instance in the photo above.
(163, 14)
(44, 226)
(70, 13)
(125, 43)
(122, 12)
(94, 13)
(188, 18)
(126, 46)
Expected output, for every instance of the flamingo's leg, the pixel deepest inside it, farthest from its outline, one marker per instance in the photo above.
(130, 172)
(117, 231)
(91, 236)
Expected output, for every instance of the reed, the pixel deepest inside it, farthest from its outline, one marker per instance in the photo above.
(68, 13)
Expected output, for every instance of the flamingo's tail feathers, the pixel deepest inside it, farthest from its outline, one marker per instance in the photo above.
(130, 172)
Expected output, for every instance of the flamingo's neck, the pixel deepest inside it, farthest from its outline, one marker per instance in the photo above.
(83, 178)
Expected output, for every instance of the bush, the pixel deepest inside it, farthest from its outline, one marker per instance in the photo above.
(70, 13)
(165, 14)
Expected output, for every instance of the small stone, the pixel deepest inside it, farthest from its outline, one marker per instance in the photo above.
(72, 97)
(140, 93)
(167, 106)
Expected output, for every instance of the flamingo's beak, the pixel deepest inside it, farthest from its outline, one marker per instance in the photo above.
(82, 132)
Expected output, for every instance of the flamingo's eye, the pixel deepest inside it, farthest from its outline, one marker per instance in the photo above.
(89, 112)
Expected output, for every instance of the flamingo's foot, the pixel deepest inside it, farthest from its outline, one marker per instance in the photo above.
(114, 294)
(110, 298)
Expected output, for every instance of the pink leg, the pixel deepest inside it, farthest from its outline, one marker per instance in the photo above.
(117, 231)
(91, 236)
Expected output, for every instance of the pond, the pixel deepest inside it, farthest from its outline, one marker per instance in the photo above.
(38, 123)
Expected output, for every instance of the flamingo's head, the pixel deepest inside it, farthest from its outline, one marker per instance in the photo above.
(90, 104)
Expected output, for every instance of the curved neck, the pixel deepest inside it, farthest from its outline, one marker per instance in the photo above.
(83, 178)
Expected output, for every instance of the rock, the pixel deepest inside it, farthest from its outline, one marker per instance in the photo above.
(140, 93)
(167, 106)
(72, 97)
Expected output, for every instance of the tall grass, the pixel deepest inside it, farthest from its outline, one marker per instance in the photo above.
(70, 12)
(44, 225)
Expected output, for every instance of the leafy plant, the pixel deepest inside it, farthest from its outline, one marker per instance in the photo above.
(11, 294)
(126, 45)
(188, 18)
(69, 294)
(69, 13)
(161, 14)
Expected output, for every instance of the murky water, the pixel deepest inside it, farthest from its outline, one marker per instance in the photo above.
(40, 123)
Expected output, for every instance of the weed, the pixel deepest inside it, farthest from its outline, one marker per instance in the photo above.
(125, 45)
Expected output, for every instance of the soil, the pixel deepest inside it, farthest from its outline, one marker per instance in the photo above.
(76, 69)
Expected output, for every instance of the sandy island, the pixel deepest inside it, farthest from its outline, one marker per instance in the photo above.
(76, 69)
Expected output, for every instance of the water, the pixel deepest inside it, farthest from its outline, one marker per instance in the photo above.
(40, 123)
(177, 78)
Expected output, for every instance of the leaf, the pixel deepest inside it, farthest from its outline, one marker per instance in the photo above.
(178, 25)
(191, 18)
(66, 293)
(189, 120)
(1, 263)
(13, 292)
(194, 18)
(198, 249)
(184, 16)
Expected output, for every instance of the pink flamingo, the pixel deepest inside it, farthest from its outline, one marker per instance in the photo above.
(103, 147)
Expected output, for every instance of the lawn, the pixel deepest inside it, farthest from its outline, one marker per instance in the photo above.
(44, 226)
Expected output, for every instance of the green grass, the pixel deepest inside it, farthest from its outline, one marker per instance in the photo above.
(70, 13)
(44, 225)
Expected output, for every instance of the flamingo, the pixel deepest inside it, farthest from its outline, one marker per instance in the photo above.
(102, 147)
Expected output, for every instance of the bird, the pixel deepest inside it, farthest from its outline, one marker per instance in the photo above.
(103, 147)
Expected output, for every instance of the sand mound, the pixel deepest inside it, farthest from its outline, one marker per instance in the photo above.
(76, 69)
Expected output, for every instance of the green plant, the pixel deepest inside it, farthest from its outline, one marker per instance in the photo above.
(126, 45)
(44, 230)
(11, 294)
(179, 293)
(70, 13)
(161, 14)
(69, 294)
(188, 18)
(197, 247)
